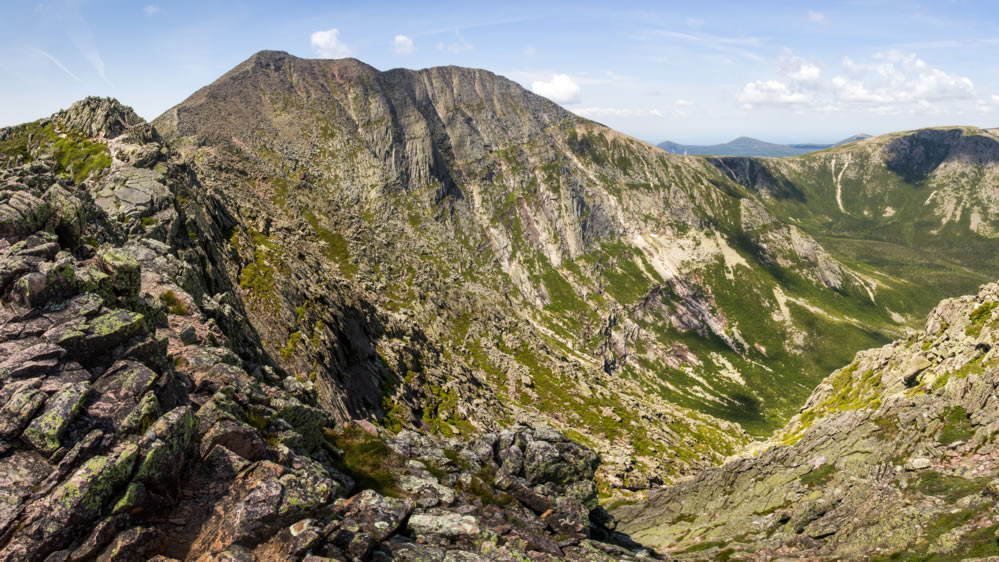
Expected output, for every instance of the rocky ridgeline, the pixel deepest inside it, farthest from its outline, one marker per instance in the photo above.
(894, 456)
(140, 419)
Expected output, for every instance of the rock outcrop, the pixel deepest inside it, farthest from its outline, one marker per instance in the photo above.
(893, 456)
(140, 418)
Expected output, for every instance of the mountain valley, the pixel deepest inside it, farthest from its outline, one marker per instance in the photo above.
(411, 313)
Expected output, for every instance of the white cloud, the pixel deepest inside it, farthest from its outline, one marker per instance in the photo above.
(769, 92)
(560, 89)
(151, 9)
(459, 45)
(995, 98)
(890, 82)
(530, 51)
(327, 44)
(403, 45)
(816, 17)
(797, 68)
(683, 102)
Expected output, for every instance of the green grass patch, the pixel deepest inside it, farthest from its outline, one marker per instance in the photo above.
(174, 304)
(290, 347)
(75, 155)
(818, 476)
(337, 249)
(957, 426)
(979, 317)
(950, 488)
(368, 460)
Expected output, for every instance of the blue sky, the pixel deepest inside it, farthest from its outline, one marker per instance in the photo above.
(694, 72)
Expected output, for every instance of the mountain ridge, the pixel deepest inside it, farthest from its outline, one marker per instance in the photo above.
(748, 146)
(444, 254)
(541, 195)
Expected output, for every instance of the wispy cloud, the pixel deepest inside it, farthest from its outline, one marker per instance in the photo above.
(816, 17)
(84, 40)
(739, 46)
(56, 62)
(151, 10)
(327, 44)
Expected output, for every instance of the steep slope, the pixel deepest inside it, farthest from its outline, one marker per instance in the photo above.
(142, 419)
(748, 146)
(530, 263)
(893, 457)
(919, 206)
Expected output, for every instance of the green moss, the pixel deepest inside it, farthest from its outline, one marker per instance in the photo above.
(702, 546)
(957, 426)
(317, 331)
(280, 197)
(337, 250)
(290, 347)
(979, 317)
(818, 476)
(256, 418)
(950, 488)
(851, 394)
(973, 367)
(74, 155)
(480, 486)
(887, 427)
(368, 460)
(258, 277)
(80, 158)
(442, 414)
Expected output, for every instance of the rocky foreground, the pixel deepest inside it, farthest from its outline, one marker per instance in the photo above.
(141, 420)
(894, 456)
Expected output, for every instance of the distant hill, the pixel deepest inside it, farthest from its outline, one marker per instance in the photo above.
(748, 146)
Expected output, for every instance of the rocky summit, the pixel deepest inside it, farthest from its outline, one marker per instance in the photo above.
(318, 311)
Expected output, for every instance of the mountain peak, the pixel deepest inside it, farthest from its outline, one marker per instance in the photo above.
(99, 117)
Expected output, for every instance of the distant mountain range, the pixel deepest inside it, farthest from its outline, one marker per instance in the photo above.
(748, 146)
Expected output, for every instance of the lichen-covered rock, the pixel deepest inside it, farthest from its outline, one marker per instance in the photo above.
(19, 410)
(377, 515)
(447, 525)
(123, 270)
(164, 446)
(45, 432)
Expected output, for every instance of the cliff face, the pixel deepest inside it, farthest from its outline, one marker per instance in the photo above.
(893, 456)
